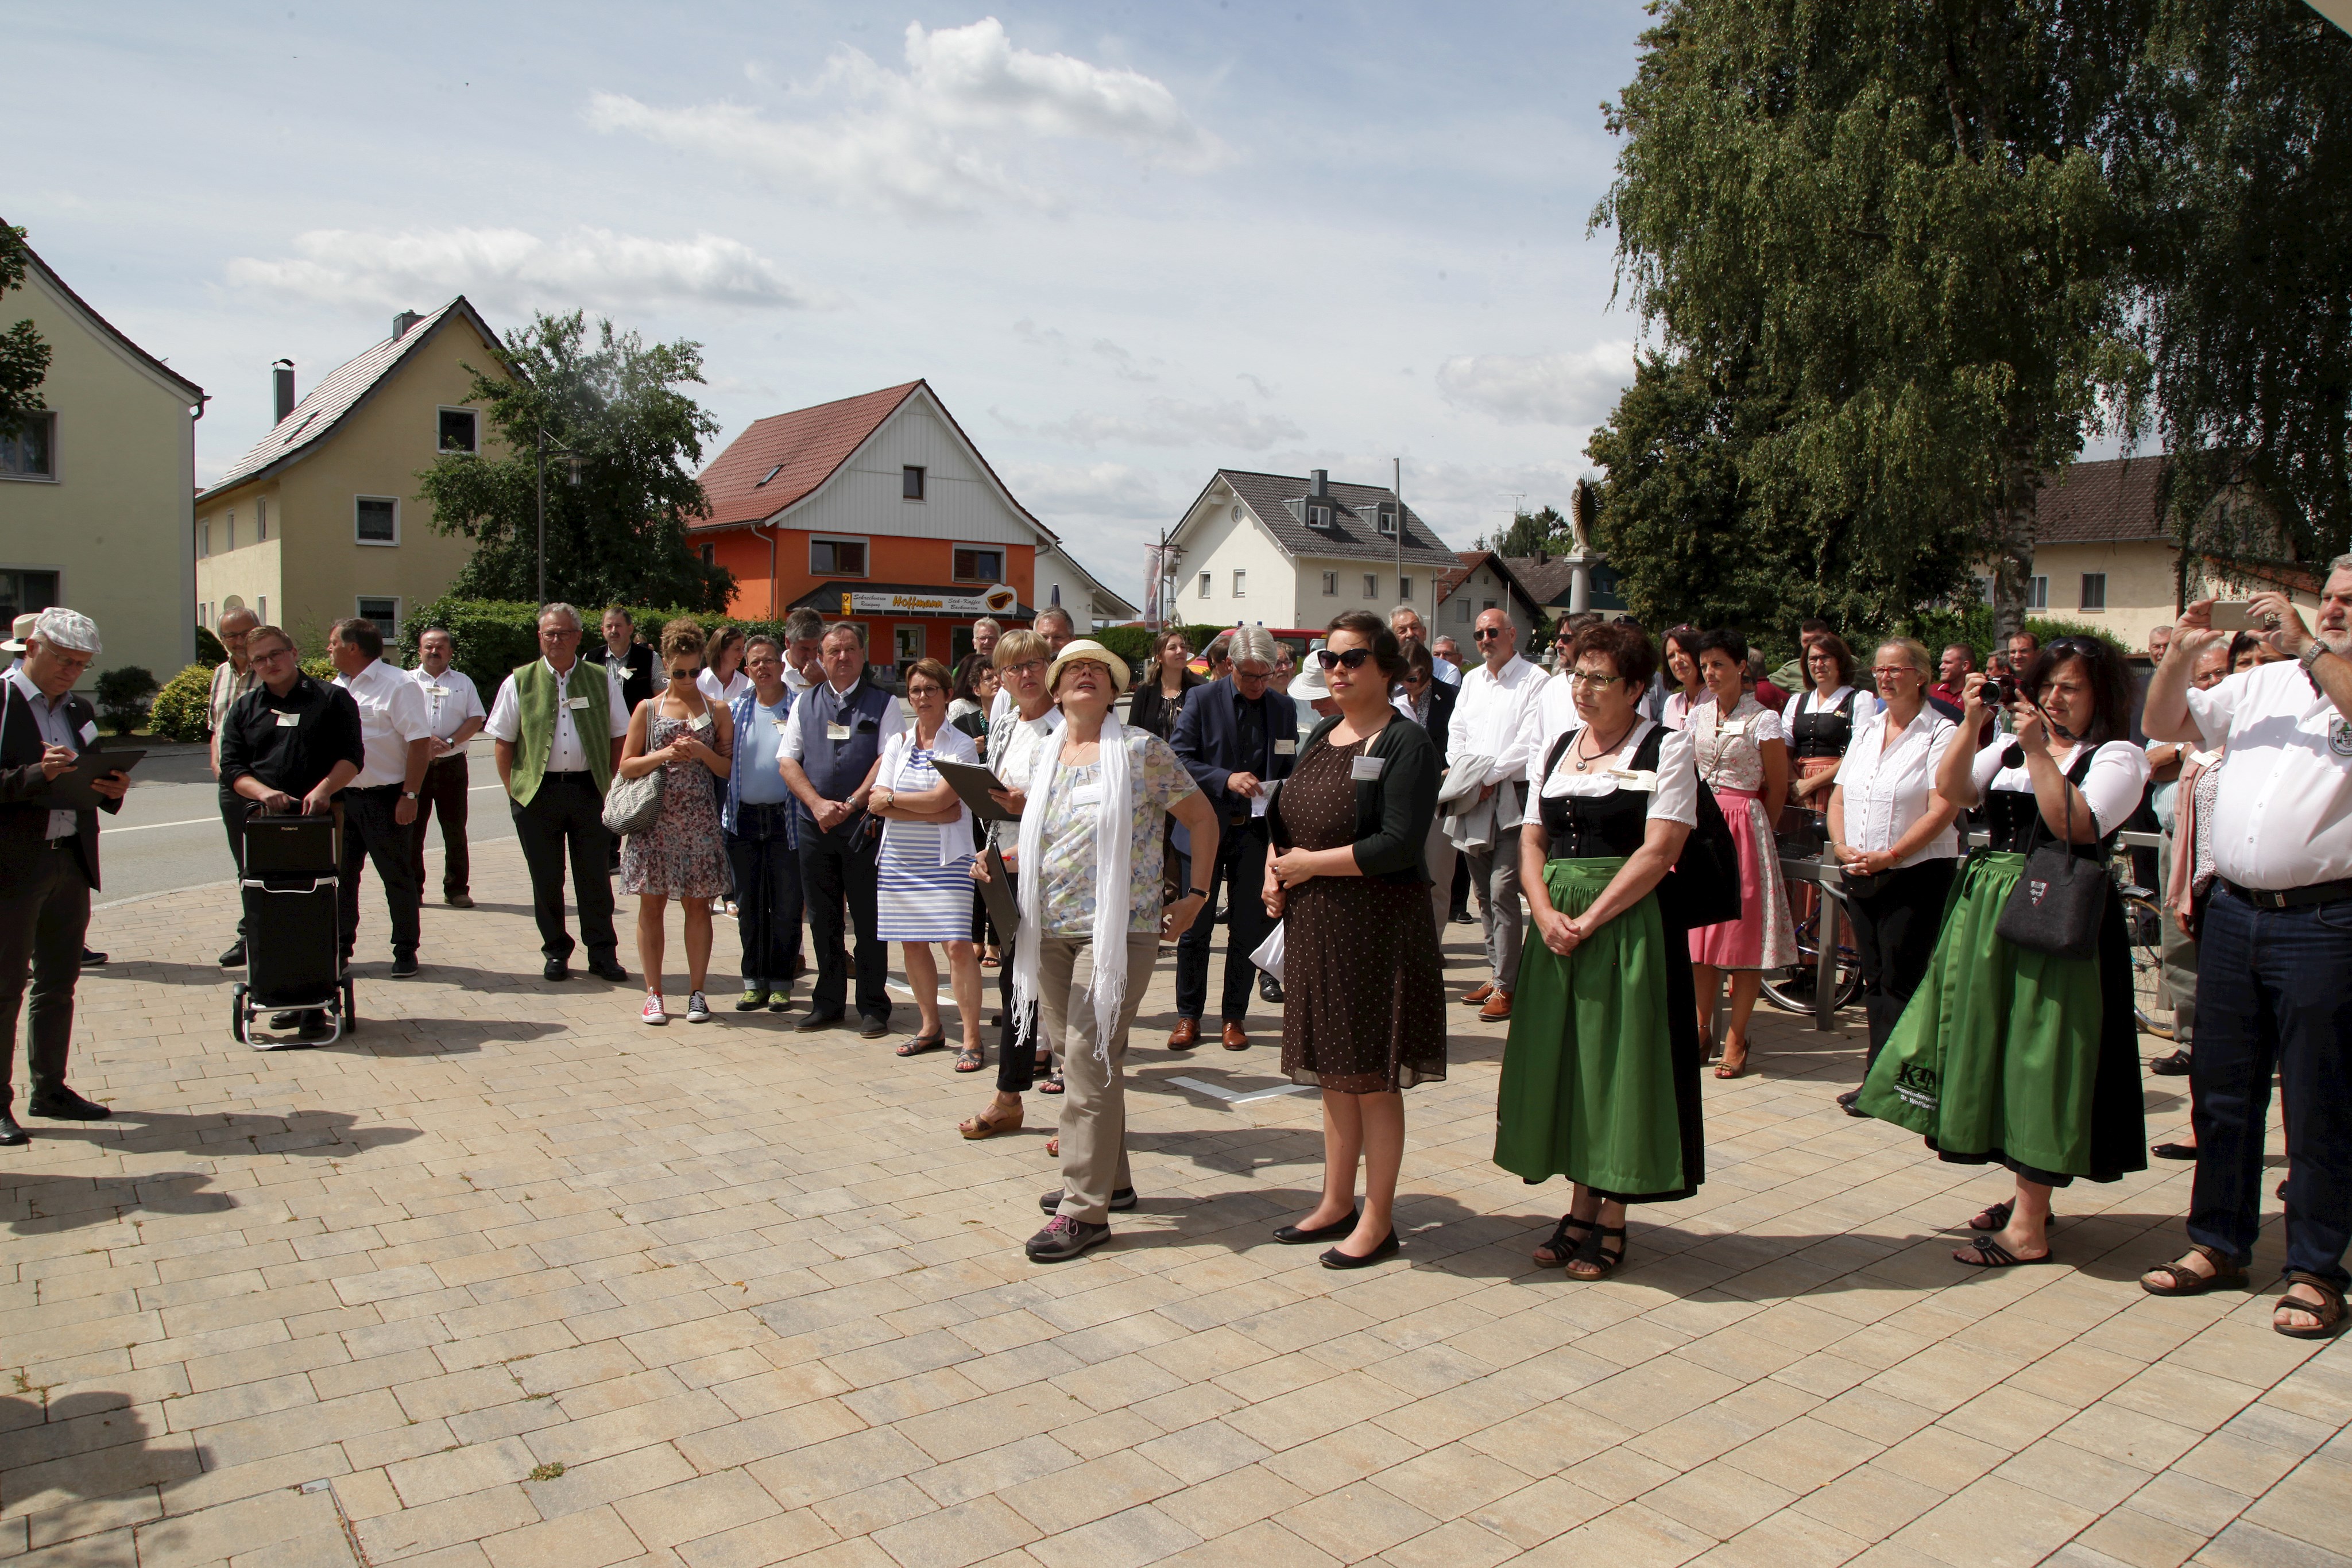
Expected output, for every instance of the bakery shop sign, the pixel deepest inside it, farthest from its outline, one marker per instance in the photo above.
(1000, 599)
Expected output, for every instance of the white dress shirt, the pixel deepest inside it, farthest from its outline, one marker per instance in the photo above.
(393, 714)
(1491, 717)
(2112, 788)
(1884, 783)
(1445, 670)
(1550, 715)
(56, 729)
(563, 754)
(450, 699)
(2284, 816)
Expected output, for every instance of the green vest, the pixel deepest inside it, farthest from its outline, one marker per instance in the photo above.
(535, 687)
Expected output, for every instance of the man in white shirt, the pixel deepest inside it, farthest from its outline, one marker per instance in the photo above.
(454, 708)
(2275, 949)
(380, 805)
(557, 750)
(1491, 721)
(1406, 621)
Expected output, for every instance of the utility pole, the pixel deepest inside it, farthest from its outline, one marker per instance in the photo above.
(1396, 483)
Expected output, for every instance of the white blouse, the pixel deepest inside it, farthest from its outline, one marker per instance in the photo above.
(1672, 789)
(1885, 787)
(1866, 704)
(2113, 788)
(1730, 751)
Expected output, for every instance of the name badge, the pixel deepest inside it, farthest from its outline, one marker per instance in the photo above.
(1732, 727)
(437, 691)
(779, 724)
(577, 704)
(1086, 795)
(288, 720)
(1366, 769)
(2204, 758)
(1642, 780)
(836, 732)
(701, 722)
(90, 732)
(1285, 749)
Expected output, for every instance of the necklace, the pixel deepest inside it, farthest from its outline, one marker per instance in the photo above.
(1582, 761)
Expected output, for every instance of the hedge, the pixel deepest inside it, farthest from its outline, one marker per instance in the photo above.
(496, 636)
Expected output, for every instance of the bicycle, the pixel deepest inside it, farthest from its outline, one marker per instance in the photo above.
(1794, 990)
(2145, 934)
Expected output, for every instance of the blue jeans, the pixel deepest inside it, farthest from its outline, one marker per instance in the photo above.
(2273, 994)
(767, 893)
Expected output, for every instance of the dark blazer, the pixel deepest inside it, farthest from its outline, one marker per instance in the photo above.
(1442, 698)
(23, 821)
(1208, 742)
(1151, 709)
(1392, 812)
(636, 669)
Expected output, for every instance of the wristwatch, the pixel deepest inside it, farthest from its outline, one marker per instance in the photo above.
(408, 794)
(2310, 656)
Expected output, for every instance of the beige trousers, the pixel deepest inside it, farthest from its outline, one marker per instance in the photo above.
(1094, 1103)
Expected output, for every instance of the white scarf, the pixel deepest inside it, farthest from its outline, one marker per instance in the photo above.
(1113, 822)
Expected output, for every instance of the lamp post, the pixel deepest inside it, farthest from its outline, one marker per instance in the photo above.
(572, 460)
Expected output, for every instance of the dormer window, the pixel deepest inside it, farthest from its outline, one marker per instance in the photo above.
(1388, 518)
(1317, 515)
(770, 474)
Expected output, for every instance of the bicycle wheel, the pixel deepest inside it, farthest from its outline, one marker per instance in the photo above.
(2144, 924)
(1792, 989)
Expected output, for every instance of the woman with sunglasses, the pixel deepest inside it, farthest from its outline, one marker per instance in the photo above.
(1364, 1018)
(2006, 1055)
(684, 855)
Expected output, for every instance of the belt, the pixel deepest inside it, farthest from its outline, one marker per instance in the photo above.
(2292, 897)
(70, 841)
(456, 756)
(567, 773)
(391, 788)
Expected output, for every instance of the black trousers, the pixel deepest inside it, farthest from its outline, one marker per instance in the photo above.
(1895, 933)
(1241, 866)
(836, 877)
(233, 809)
(42, 923)
(444, 792)
(767, 893)
(370, 834)
(1016, 1055)
(567, 814)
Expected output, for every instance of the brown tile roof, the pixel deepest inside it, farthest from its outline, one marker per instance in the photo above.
(783, 458)
(1545, 577)
(1471, 560)
(2114, 501)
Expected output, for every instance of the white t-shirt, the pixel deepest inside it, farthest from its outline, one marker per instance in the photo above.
(2283, 814)
(737, 685)
(1884, 789)
(1673, 789)
(893, 720)
(2111, 789)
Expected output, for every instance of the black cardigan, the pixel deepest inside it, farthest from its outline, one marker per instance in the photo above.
(1392, 812)
(1149, 708)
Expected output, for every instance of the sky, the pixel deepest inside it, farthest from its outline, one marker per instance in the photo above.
(1128, 245)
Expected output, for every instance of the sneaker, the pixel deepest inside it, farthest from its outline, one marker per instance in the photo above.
(1121, 1198)
(403, 965)
(697, 1009)
(1063, 1237)
(754, 999)
(653, 1013)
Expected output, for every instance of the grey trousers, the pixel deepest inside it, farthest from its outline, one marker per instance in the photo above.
(1438, 853)
(1094, 1103)
(1494, 876)
(2179, 953)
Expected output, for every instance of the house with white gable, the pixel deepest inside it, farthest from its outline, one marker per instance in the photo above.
(1282, 550)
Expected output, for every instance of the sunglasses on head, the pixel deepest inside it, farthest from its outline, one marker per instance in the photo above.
(1352, 659)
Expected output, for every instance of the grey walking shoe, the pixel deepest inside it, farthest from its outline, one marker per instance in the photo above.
(1121, 1198)
(1063, 1237)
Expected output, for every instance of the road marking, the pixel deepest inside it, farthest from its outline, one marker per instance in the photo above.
(105, 826)
(1239, 1096)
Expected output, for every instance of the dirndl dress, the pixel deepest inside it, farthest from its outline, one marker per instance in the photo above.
(1731, 763)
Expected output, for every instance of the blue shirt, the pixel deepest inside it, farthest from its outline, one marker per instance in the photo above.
(759, 744)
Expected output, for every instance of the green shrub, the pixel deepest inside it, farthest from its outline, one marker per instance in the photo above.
(122, 696)
(1132, 643)
(1939, 627)
(182, 711)
(322, 667)
(209, 652)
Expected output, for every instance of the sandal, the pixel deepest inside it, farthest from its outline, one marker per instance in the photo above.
(987, 1126)
(2329, 1309)
(1557, 1246)
(1050, 1084)
(1054, 1148)
(2180, 1279)
(971, 1059)
(1593, 1260)
(1984, 1252)
(1996, 1216)
(1732, 1067)
(919, 1044)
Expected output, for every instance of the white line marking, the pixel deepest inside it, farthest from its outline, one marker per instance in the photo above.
(106, 827)
(1238, 1096)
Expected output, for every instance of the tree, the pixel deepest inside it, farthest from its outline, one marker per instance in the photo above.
(618, 533)
(1892, 218)
(24, 358)
(1544, 530)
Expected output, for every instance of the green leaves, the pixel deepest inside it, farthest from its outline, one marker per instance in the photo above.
(24, 358)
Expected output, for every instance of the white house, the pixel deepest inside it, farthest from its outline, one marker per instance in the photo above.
(1275, 549)
(1482, 580)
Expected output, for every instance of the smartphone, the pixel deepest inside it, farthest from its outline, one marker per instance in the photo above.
(2238, 615)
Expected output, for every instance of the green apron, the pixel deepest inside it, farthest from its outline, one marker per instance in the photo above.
(1588, 1089)
(1997, 1049)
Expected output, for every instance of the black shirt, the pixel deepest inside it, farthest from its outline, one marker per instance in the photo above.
(291, 758)
(637, 683)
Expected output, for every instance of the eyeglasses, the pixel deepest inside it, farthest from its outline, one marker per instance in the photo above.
(1352, 659)
(1885, 672)
(1592, 682)
(1491, 632)
(1026, 667)
(274, 653)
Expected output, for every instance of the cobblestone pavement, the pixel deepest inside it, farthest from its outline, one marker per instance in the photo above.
(509, 1279)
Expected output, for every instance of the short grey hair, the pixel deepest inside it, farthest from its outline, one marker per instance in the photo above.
(990, 622)
(1056, 612)
(1406, 609)
(2341, 563)
(803, 625)
(852, 628)
(557, 607)
(1254, 644)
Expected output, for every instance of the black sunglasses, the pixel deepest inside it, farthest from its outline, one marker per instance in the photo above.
(1490, 633)
(1353, 658)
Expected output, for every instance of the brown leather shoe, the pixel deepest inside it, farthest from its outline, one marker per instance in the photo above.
(1480, 994)
(1235, 1039)
(1499, 1006)
(1185, 1035)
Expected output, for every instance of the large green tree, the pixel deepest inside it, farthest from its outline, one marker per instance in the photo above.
(24, 358)
(617, 531)
(1892, 217)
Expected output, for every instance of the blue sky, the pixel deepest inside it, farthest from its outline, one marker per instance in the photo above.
(1126, 244)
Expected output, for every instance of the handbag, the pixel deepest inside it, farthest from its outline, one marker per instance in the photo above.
(633, 805)
(2059, 905)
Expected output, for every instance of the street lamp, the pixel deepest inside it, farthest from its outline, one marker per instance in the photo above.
(572, 460)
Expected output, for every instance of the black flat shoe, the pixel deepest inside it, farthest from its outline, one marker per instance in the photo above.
(1851, 1103)
(2173, 1151)
(556, 969)
(1292, 1236)
(813, 1021)
(11, 1134)
(1388, 1248)
(91, 959)
(233, 958)
(875, 1028)
(607, 969)
(2175, 1065)
(62, 1104)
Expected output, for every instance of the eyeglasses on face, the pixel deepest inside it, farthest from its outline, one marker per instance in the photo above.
(1887, 672)
(1590, 681)
(1489, 634)
(1026, 667)
(1352, 659)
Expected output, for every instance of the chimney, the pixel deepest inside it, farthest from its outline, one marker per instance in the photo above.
(402, 322)
(281, 379)
(1322, 482)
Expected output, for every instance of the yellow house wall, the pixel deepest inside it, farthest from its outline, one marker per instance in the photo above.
(2140, 586)
(117, 522)
(313, 568)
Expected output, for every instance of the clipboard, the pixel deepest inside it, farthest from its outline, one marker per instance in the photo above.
(972, 783)
(70, 790)
(997, 893)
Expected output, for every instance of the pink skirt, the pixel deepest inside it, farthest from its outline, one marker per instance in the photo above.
(1763, 937)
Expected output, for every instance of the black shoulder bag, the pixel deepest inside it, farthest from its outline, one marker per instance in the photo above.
(2060, 903)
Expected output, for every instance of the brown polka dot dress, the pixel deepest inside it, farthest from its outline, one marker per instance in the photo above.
(1364, 984)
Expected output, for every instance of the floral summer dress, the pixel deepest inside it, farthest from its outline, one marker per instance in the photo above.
(683, 854)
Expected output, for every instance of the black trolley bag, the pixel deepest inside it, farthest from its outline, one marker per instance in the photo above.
(293, 940)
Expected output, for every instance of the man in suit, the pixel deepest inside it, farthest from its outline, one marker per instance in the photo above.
(1429, 703)
(1237, 738)
(48, 859)
(626, 660)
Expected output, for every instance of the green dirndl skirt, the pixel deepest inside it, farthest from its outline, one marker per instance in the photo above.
(1589, 1087)
(1997, 1056)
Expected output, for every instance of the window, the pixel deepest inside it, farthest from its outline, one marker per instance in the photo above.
(1405, 590)
(1484, 607)
(1241, 585)
(1319, 517)
(907, 641)
(1388, 518)
(1371, 585)
(837, 558)
(770, 474)
(1331, 585)
(1461, 610)
(460, 430)
(979, 563)
(23, 593)
(262, 608)
(232, 530)
(2094, 590)
(31, 452)
(385, 611)
(709, 554)
(910, 483)
(2037, 593)
(261, 516)
(204, 538)
(378, 520)
(1204, 585)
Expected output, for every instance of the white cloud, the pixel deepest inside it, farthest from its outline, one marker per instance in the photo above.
(515, 269)
(1577, 388)
(931, 138)
(1169, 422)
(1093, 490)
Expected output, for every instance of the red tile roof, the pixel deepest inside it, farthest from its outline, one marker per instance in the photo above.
(801, 449)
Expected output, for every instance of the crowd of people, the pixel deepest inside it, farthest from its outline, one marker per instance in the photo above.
(1623, 815)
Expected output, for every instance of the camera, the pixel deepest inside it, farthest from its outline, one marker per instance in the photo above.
(1999, 691)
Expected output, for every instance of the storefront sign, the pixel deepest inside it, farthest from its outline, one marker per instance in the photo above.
(996, 601)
